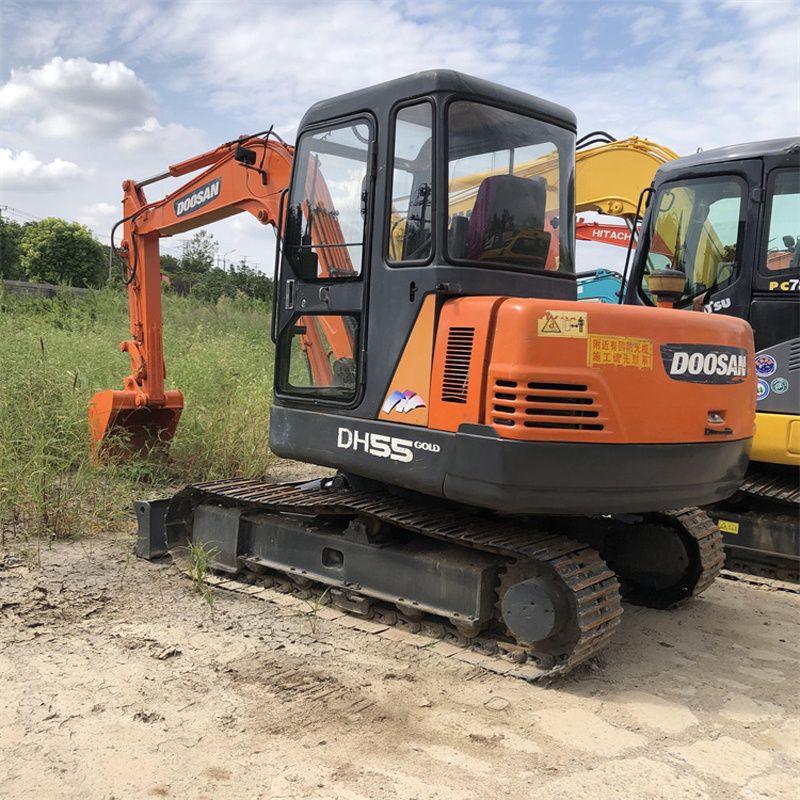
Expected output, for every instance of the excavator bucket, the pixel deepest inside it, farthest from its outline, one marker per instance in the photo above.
(119, 428)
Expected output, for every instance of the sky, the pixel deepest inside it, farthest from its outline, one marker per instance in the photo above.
(94, 92)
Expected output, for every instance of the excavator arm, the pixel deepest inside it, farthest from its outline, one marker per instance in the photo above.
(610, 177)
(248, 174)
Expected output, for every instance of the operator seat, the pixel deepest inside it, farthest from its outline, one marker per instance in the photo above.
(506, 206)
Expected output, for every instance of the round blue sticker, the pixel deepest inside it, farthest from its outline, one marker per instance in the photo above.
(765, 365)
(762, 391)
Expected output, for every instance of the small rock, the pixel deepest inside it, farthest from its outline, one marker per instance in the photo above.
(497, 704)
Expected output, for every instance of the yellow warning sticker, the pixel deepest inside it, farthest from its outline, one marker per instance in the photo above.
(728, 527)
(620, 351)
(564, 323)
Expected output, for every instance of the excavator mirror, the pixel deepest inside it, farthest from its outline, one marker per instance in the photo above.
(298, 247)
(788, 242)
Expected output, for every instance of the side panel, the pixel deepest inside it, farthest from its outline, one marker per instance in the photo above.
(576, 372)
(463, 344)
(408, 398)
(777, 439)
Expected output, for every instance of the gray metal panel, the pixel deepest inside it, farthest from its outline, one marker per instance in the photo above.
(151, 538)
(783, 381)
(217, 530)
(746, 150)
(431, 576)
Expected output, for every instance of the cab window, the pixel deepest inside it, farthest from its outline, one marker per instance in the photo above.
(698, 229)
(509, 183)
(320, 351)
(326, 217)
(411, 209)
(781, 250)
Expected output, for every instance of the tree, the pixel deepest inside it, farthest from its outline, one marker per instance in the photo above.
(253, 284)
(241, 280)
(199, 253)
(170, 265)
(10, 250)
(214, 284)
(59, 252)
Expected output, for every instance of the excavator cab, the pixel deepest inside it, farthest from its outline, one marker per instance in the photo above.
(358, 236)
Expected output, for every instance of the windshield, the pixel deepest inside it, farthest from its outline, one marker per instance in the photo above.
(510, 179)
(696, 230)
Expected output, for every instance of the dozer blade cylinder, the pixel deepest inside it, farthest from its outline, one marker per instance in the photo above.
(119, 427)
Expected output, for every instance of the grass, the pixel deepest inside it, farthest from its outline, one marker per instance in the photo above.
(313, 612)
(55, 354)
(200, 557)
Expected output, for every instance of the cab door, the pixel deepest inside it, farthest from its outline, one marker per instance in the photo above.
(319, 310)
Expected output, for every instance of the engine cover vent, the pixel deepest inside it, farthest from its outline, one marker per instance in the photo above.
(458, 357)
(563, 406)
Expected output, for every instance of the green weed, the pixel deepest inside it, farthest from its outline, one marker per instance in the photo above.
(199, 559)
(313, 612)
(55, 354)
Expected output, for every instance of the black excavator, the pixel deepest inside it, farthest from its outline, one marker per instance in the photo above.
(728, 220)
(507, 459)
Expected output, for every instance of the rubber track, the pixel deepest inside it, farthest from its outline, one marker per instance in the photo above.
(771, 486)
(594, 587)
(704, 531)
(783, 489)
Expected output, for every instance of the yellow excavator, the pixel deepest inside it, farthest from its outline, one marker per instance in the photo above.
(483, 424)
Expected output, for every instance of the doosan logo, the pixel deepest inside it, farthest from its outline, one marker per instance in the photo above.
(700, 363)
(200, 197)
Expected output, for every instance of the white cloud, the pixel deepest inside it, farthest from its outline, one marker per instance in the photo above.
(762, 14)
(250, 61)
(140, 84)
(70, 98)
(151, 136)
(647, 24)
(23, 171)
(717, 74)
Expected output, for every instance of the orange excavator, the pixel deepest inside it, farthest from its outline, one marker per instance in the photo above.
(488, 431)
(248, 174)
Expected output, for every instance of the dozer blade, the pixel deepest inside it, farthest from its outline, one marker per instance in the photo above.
(120, 429)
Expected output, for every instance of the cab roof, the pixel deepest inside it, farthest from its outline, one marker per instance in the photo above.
(734, 152)
(381, 97)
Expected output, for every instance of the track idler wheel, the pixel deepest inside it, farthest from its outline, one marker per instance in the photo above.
(538, 611)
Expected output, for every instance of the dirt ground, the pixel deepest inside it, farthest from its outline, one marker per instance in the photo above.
(116, 683)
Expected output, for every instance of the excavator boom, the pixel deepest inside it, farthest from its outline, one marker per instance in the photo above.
(248, 174)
